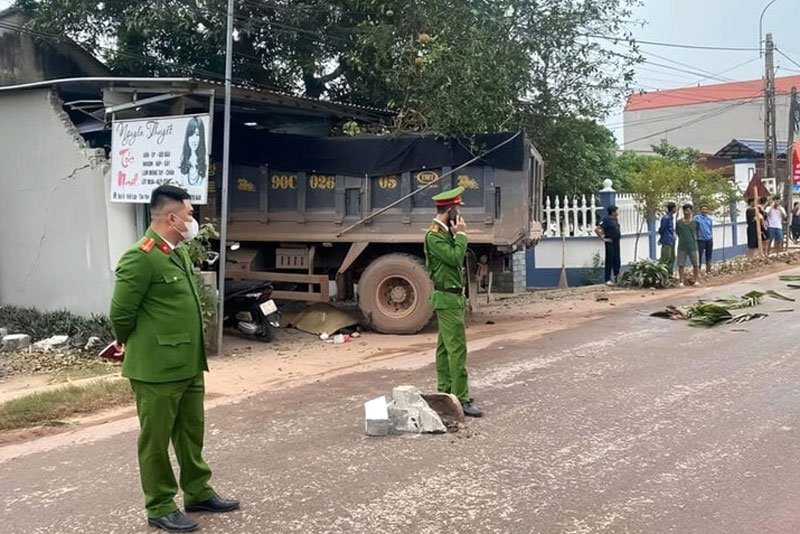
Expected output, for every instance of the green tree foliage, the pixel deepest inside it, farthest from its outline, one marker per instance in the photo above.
(446, 67)
(673, 173)
(583, 153)
(689, 156)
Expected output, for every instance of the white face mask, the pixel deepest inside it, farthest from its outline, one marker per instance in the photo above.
(191, 231)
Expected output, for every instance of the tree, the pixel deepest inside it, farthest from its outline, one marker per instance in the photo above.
(583, 154)
(550, 68)
(446, 66)
(283, 44)
(672, 174)
(689, 156)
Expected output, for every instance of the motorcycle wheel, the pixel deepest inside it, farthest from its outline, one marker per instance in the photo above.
(266, 333)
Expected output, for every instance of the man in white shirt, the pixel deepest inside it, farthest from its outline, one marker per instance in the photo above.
(776, 215)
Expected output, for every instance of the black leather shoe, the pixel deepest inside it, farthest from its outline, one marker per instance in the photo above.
(471, 409)
(174, 522)
(215, 504)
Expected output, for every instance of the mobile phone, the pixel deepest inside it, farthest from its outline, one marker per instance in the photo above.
(452, 216)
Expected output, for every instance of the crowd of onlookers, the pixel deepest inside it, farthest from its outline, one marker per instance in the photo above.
(692, 237)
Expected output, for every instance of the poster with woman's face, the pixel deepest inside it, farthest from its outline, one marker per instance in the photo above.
(153, 151)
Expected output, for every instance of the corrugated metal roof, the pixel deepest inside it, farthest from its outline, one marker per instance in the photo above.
(748, 148)
(278, 97)
(703, 94)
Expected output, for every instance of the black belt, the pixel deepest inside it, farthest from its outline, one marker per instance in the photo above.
(454, 290)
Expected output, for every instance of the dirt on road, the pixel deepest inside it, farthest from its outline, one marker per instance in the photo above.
(248, 368)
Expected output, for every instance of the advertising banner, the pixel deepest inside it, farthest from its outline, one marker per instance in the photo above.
(153, 151)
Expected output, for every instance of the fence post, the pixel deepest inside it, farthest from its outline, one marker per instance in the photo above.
(651, 231)
(608, 197)
(557, 211)
(734, 226)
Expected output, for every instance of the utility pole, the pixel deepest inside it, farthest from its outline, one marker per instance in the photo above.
(770, 141)
(789, 173)
(226, 163)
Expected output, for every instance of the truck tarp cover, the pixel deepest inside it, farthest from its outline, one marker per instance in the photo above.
(372, 155)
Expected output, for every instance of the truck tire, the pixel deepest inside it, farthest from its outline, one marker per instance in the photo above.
(393, 294)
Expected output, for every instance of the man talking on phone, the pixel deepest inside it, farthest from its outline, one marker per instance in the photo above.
(445, 250)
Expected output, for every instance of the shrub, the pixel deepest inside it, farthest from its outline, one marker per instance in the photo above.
(41, 325)
(646, 273)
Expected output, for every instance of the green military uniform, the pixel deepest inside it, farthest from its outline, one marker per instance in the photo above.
(156, 313)
(444, 259)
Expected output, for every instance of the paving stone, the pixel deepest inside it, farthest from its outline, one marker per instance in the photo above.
(51, 343)
(376, 416)
(14, 342)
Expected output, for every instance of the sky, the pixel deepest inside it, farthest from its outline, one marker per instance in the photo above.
(718, 23)
(725, 23)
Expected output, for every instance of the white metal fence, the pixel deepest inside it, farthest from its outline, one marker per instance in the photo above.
(577, 216)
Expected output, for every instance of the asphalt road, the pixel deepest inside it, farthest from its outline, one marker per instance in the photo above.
(625, 424)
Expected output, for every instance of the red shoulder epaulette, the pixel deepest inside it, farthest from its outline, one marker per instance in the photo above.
(147, 245)
(165, 248)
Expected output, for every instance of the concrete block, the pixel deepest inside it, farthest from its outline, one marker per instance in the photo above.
(408, 412)
(51, 343)
(376, 416)
(94, 343)
(14, 342)
(3, 332)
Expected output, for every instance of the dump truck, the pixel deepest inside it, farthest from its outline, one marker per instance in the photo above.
(345, 217)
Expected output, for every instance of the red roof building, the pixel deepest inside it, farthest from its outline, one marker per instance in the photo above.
(705, 117)
(721, 92)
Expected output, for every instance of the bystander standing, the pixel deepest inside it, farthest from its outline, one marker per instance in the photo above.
(705, 240)
(666, 234)
(609, 232)
(687, 230)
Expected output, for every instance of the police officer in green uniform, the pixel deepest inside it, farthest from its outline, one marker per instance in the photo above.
(155, 312)
(445, 250)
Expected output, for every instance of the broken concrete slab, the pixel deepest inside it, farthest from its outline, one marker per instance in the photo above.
(447, 406)
(14, 342)
(51, 343)
(376, 416)
(408, 412)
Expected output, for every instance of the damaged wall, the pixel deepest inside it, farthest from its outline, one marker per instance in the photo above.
(60, 237)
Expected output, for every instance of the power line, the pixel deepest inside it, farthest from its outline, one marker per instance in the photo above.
(698, 69)
(787, 57)
(681, 114)
(710, 115)
(751, 60)
(672, 45)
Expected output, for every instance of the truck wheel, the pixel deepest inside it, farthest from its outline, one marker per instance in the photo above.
(393, 294)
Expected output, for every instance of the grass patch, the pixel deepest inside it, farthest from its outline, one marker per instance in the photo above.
(79, 372)
(50, 407)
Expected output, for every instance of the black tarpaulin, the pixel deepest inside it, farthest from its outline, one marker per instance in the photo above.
(371, 155)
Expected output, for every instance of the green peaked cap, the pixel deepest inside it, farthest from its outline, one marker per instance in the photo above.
(450, 194)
